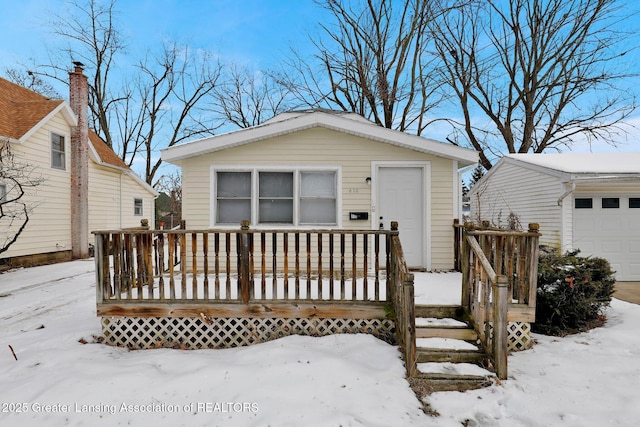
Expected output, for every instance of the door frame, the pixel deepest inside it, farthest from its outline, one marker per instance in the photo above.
(425, 165)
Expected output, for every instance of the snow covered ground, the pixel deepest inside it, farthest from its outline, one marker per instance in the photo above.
(589, 379)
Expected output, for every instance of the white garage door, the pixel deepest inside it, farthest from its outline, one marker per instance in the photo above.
(606, 226)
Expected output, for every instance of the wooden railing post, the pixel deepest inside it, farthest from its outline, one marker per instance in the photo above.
(457, 243)
(244, 262)
(500, 326)
(410, 325)
(534, 254)
(466, 277)
(391, 262)
(100, 267)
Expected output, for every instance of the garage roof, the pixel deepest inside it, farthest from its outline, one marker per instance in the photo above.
(589, 163)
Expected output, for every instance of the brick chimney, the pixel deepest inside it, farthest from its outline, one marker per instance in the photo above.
(79, 102)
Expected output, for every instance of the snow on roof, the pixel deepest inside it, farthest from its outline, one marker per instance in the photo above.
(614, 162)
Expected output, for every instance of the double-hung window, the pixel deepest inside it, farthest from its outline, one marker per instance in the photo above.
(292, 197)
(317, 197)
(57, 151)
(138, 207)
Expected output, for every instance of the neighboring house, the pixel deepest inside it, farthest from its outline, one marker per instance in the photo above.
(324, 169)
(85, 186)
(585, 201)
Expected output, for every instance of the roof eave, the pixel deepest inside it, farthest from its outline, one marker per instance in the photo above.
(365, 130)
(95, 157)
(67, 113)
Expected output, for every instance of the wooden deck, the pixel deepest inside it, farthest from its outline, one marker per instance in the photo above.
(221, 288)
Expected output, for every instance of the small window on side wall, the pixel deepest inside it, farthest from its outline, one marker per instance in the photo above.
(57, 151)
(584, 203)
(634, 202)
(138, 207)
(610, 203)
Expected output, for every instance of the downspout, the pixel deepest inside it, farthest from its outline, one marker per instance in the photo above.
(566, 237)
(462, 171)
(566, 193)
(120, 200)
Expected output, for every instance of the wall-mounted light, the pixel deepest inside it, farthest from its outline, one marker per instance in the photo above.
(368, 180)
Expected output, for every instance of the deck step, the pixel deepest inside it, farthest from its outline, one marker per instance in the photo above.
(434, 321)
(448, 357)
(452, 332)
(440, 311)
(447, 382)
(425, 355)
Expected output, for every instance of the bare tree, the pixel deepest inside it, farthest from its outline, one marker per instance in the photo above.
(533, 75)
(169, 96)
(374, 61)
(171, 185)
(89, 31)
(16, 178)
(160, 100)
(248, 98)
(32, 81)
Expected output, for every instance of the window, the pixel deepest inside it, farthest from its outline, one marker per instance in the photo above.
(610, 203)
(3, 193)
(57, 151)
(318, 198)
(584, 203)
(233, 197)
(634, 202)
(296, 197)
(137, 207)
(275, 197)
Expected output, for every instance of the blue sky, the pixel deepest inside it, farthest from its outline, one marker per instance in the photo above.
(247, 31)
(256, 33)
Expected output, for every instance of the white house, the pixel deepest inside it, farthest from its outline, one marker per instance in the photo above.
(327, 169)
(585, 201)
(85, 186)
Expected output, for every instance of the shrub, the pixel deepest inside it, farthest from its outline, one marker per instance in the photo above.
(572, 293)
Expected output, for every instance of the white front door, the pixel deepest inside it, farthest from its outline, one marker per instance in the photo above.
(401, 197)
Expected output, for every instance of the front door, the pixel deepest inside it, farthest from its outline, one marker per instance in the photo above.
(401, 198)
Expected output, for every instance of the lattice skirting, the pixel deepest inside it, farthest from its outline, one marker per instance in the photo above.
(519, 336)
(196, 333)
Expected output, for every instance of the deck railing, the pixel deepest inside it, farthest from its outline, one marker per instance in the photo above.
(136, 270)
(402, 299)
(257, 273)
(499, 276)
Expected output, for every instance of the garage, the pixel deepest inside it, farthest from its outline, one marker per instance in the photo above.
(606, 225)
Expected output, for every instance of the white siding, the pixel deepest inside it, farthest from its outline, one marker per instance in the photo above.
(529, 193)
(111, 194)
(320, 146)
(111, 200)
(49, 227)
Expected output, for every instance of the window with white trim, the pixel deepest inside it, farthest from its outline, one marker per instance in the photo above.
(57, 151)
(293, 197)
(138, 205)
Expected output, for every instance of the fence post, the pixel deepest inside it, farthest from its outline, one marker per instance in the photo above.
(244, 261)
(500, 326)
